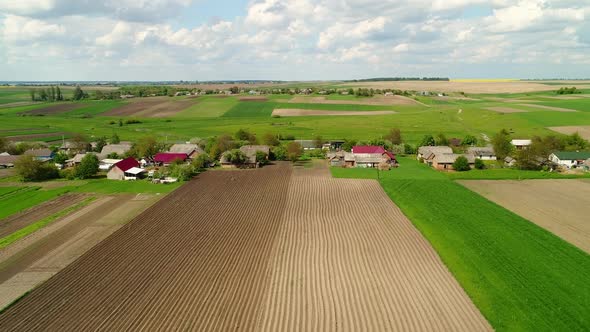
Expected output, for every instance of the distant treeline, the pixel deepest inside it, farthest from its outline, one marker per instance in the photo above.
(394, 79)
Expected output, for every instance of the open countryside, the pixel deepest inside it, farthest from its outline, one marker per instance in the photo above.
(271, 165)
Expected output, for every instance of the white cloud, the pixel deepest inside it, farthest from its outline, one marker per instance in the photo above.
(337, 38)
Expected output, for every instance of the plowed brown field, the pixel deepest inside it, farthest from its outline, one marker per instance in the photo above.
(152, 107)
(275, 249)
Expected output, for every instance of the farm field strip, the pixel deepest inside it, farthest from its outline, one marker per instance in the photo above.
(505, 109)
(376, 101)
(347, 259)
(584, 131)
(560, 206)
(209, 258)
(551, 108)
(34, 259)
(301, 112)
(17, 221)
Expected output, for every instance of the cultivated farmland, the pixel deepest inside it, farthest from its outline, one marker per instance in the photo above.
(272, 249)
(584, 131)
(301, 112)
(560, 206)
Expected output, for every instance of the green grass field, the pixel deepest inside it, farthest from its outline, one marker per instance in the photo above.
(211, 115)
(519, 275)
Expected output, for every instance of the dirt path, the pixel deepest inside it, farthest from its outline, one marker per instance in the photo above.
(347, 259)
(560, 206)
(15, 222)
(36, 258)
(302, 112)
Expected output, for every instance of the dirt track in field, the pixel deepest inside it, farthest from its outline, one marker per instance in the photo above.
(506, 110)
(19, 138)
(377, 101)
(560, 206)
(15, 222)
(584, 131)
(275, 249)
(302, 112)
(550, 108)
(54, 109)
(152, 107)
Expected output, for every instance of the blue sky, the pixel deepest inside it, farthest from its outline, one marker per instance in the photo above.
(292, 40)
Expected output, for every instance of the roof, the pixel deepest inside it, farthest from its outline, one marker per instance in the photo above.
(8, 160)
(390, 154)
(77, 158)
(185, 148)
(367, 149)
(449, 158)
(370, 158)
(424, 150)
(135, 170)
(4, 154)
(250, 150)
(110, 161)
(481, 150)
(119, 149)
(40, 152)
(165, 157)
(127, 164)
(572, 155)
(306, 143)
(521, 142)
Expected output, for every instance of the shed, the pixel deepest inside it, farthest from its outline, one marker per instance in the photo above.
(119, 169)
(167, 158)
(483, 153)
(444, 161)
(569, 159)
(191, 150)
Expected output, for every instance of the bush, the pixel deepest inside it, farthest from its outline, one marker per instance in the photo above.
(294, 151)
(202, 161)
(88, 167)
(461, 164)
(31, 169)
(182, 172)
(479, 164)
(278, 153)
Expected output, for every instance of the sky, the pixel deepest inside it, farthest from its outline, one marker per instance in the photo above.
(292, 40)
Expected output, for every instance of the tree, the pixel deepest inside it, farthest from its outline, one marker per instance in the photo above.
(60, 158)
(271, 139)
(469, 140)
(318, 142)
(78, 93)
(527, 159)
(502, 144)
(88, 167)
(202, 161)
(33, 92)
(394, 136)
(461, 164)
(113, 155)
(261, 158)
(575, 142)
(278, 153)
(101, 142)
(441, 139)
(3, 144)
(294, 151)
(145, 147)
(58, 92)
(479, 164)
(115, 139)
(348, 144)
(235, 157)
(80, 143)
(427, 140)
(31, 169)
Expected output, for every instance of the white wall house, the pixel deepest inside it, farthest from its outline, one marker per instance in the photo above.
(569, 159)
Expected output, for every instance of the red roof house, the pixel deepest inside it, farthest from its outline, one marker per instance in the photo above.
(119, 169)
(168, 157)
(368, 149)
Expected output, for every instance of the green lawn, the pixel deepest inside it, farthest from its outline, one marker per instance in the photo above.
(519, 275)
(23, 199)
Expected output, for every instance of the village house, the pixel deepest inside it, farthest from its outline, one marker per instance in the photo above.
(250, 152)
(307, 144)
(126, 169)
(191, 150)
(483, 153)
(120, 149)
(509, 161)
(107, 164)
(569, 159)
(41, 154)
(521, 144)
(363, 157)
(445, 161)
(6, 160)
(77, 159)
(427, 153)
(167, 158)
